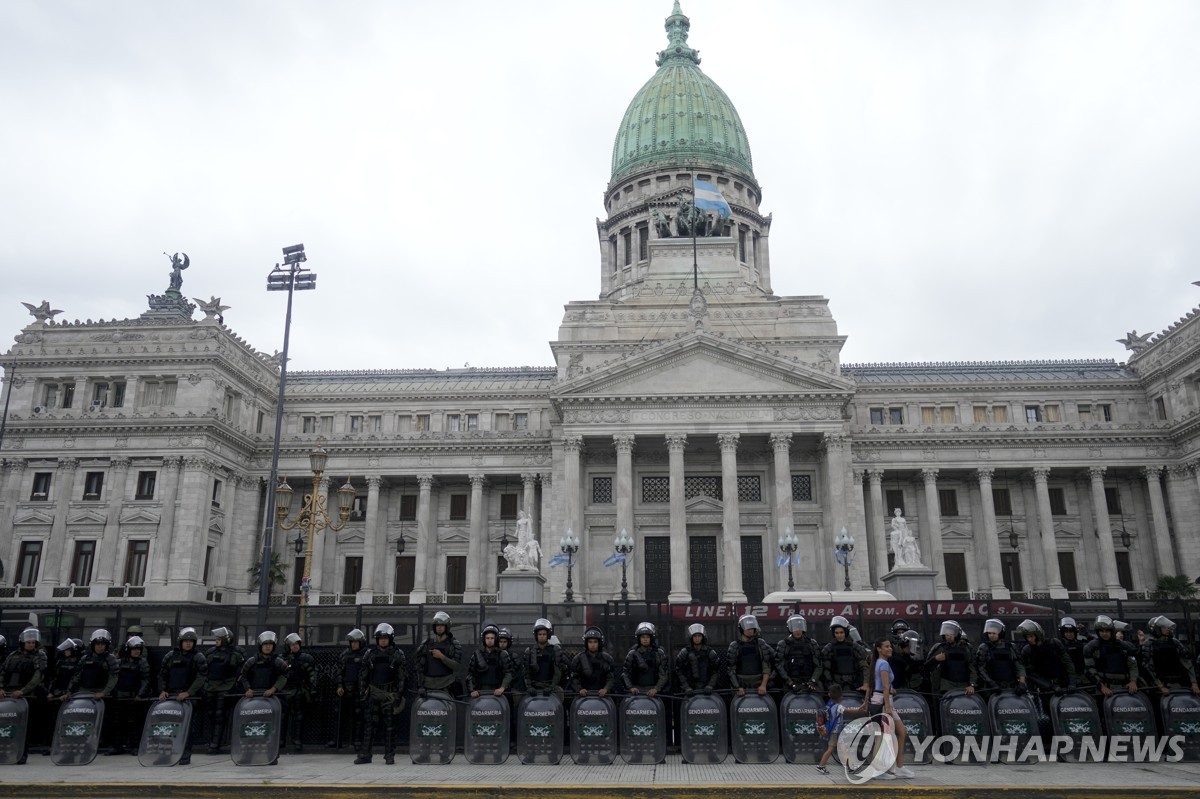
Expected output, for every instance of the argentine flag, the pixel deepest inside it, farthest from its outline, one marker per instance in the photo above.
(709, 198)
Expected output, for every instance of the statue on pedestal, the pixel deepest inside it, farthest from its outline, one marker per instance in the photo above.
(904, 543)
(524, 555)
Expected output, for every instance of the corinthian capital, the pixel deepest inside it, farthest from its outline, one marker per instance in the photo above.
(677, 442)
(728, 441)
(780, 441)
(573, 443)
(624, 442)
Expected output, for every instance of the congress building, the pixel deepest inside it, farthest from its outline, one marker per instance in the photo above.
(693, 408)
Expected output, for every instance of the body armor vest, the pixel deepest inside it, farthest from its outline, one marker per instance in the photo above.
(92, 674)
(1164, 657)
(435, 667)
(955, 668)
(542, 661)
(381, 672)
(1044, 660)
(129, 676)
(798, 659)
(1001, 666)
(487, 669)
(843, 659)
(351, 666)
(179, 671)
(749, 661)
(647, 668)
(1113, 659)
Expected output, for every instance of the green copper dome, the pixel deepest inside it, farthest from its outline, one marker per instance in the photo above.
(680, 117)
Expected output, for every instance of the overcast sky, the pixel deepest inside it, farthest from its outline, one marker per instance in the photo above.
(964, 181)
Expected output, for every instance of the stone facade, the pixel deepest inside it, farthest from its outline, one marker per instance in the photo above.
(688, 405)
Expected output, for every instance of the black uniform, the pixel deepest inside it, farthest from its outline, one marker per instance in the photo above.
(350, 712)
(1166, 663)
(798, 663)
(544, 669)
(1110, 663)
(594, 671)
(61, 675)
(133, 687)
(998, 665)
(97, 674)
(697, 668)
(489, 669)
(957, 671)
(748, 661)
(224, 666)
(645, 668)
(439, 674)
(183, 671)
(262, 672)
(846, 664)
(301, 687)
(25, 670)
(1048, 666)
(381, 682)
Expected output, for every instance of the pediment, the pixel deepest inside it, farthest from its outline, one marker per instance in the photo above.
(88, 516)
(215, 526)
(352, 537)
(140, 516)
(956, 535)
(34, 517)
(455, 534)
(703, 504)
(703, 364)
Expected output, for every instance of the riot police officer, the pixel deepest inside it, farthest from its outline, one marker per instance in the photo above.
(66, 664)
(381, 684)
(504, 642)
(748, 660)
(997, 661)
(3, 649)
(645, 667)
(1047, 665)
(22, 675)
(438, 657)
(1166, 661)
(349, 702)
(697, 665)
(490, 668)
(1074, 641)
(182, 673)
(798, 660)
(950, 664)
(266, 671)
(543, 664)
(593, 669)
(97, 672)
(224, 666)
(1109, 662)
(845, 662)
(133, 686)
(300, 688)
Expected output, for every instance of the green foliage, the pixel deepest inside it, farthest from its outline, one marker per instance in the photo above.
(277, 574)
(1178, 586)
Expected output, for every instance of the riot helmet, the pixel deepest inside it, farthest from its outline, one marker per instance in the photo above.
(543, 624)
(503, 634)
(356, 636)
(223, 635)
(554, 641)
(839, 621)
(1121, 628)
(3, 644)
(796, 623)
(134, 629)
(30, 634)
(899, 626)
(593, 632)
(134, 642)
(1103, 623)
(994, 626)
(489, 628)
(697, 629)
(67, 645)
(747, 623)
(1068, 625)
(100, 636)
(1031, 627)
(292, 638)
(1161, 626)
(912, 639)
(267, 637)
(188, 634)
(442, 618)
(645, 628)
(384, 630)
(951, 628)
(855, 635)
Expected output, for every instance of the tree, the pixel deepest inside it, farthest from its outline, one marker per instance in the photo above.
(1178, 586)
(278, 575)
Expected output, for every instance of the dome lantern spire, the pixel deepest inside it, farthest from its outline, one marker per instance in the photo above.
(677, 26)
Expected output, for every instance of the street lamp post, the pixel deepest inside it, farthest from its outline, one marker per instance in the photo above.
(569, 545)
(844, 547)
(290, 277)
(789, 542)
(312, 517)
(624, 545)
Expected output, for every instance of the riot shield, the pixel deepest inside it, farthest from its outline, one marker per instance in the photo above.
(77, 732)
(164, 738)
(1076, 716)
(913, 710)
(1129, 714)
(965, 718)
(643, 730)
(702, 729)
(851, 701)
(14, 724)
(432, 731)
(540, 730)
(754, 727)
(1181, 716)
(801, 742)
(593, 730)
(256, 723)
(1013, 715)
(485, 738)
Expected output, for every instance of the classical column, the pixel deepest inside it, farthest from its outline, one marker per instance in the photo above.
(732, 519)
(171, 469)
(836, 450)
(624, 445)
(1089, 572)
(781, 444)
(680, 579)
(1163, 553)
(1108, 554)
(233, 542)
(106, 563)
(63, 491)
(1181, 494)
(991, 538)
(426, 533)
(547, 513)
(572, 456)
(478, 541)
(375, 550)
(1054, 584)
(875, 516)
(14, 470)
(933, 525)
(529, 501)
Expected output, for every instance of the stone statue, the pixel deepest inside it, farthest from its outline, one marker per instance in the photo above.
(689, 219)
(213, 308)
(662, 224)
(716, 227)
(42, 313)
(524, 555)
(904, 543)
(1133, 341)
(177, 266)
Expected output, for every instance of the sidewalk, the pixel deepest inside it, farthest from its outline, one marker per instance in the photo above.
(334, 775)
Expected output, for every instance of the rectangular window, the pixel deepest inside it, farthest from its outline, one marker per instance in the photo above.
(1002, 501)
(453, 420)
(118, 395)
(41, 486)
(627, 244)
(209, 553)
(656, 490)
(1033, 414)
(358, 510)
(892, 416)
(1160, 409)
(145, 485)
(422, 425)
(327, 425)
(472, 422)
(1085, 413)
(895, 499)
(979, 412)
(1000, 414)
(927, 414)
(934, 414)
(137, 554)
(456, 574)
(948, 501)
(1112, 498)
(308, 424)
(297, 574)
(356, 424)
(458, 507)
(956, 572)
(501, 421)
(68, 395)
(602, 490)
(1104, 413)
(742, 245)
(1058, 502)
(100, 395)
(508, 506)
(375, 424)
(520, 421)
(1066, 571)
(93, 482)
(29, 563)
(895, 416)
(643, 243)
(802, 488)
(216, 493)
(1052, 414)
(159, 392)
(405, 575)
(81, 563)
(1010, 567)
(230, 405)
(352, 576)
(408, 507)
(749, 488)
(50, 395)
(702, 486)
(877, 416)
(258, 425)
(1124, 572)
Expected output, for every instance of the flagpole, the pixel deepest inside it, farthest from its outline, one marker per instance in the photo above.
(695, 224)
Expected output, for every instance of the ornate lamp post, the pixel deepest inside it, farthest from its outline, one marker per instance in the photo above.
(312, 518)
(569, 545)
(844, 547)
(623, 545)
(789, 542)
